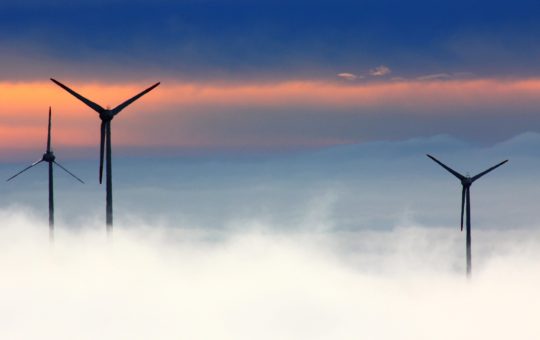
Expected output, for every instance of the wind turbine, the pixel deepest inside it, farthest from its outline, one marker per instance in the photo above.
(48, 157)
(466, 182)
(106, 116)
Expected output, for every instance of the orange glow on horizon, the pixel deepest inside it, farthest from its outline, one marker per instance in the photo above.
(24, 105)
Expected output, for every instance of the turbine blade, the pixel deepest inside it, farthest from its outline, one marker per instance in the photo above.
(69, 172)
(88, 102)
(49, 132)
(102, 149)
(463, 193)
(452, 171)
(122, 106)
(488, 170)
(23, 170)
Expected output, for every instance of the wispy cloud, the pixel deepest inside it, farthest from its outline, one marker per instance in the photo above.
(434, 76)
(348, 76)
(444, 75)
(380, 71)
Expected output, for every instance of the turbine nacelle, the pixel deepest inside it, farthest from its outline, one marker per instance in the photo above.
(106, 115)
(48, 157)
(466, 181)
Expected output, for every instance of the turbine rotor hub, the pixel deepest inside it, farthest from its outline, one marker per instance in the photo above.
(106, 115)
(49, 156)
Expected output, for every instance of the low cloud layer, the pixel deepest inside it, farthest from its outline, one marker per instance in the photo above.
(150, 282)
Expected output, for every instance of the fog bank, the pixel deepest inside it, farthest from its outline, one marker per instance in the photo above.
(150, 282)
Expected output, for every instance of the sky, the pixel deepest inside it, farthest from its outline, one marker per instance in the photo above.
(269, 76)
(276, 184)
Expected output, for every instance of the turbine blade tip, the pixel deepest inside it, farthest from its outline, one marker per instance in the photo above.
(155, 85)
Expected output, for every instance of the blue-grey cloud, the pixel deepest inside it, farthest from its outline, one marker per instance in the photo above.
(350, 187)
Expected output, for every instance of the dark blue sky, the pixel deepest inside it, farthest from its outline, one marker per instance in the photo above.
(296, 39)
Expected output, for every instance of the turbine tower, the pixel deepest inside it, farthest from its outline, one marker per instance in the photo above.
(106, 116)
(466, 182)
(48, 157)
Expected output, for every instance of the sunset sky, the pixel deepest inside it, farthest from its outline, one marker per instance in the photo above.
(276, 184)
(269, 75)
